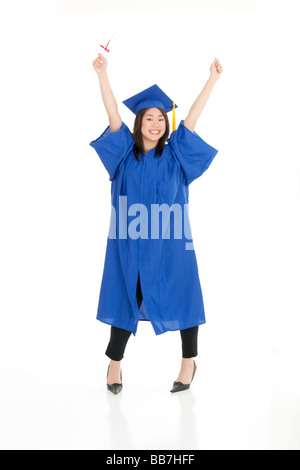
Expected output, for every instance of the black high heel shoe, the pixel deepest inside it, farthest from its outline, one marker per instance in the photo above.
(115, 388)
(179, 386)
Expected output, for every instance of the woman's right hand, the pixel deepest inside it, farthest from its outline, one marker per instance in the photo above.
(100, 64)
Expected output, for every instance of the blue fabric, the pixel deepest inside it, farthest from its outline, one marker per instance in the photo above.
(172, 295)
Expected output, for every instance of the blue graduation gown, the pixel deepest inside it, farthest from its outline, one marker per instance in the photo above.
(165, 261)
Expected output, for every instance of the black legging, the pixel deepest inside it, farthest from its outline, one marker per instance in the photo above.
(120, 337)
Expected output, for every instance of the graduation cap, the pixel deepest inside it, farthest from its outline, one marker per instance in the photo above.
(152, 97)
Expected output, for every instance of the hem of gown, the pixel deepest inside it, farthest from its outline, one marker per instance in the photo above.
(160, 332)
(156, 330)
(106, 322)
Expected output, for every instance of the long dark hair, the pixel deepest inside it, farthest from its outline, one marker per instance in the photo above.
(138, 138)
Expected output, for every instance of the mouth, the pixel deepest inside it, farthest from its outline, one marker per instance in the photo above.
(154, 132)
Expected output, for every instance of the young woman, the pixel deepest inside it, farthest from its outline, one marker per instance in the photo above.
(150, 273)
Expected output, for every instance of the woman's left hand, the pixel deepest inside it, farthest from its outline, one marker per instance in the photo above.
(216, 70)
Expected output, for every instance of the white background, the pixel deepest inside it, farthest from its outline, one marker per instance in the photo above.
(55, 209)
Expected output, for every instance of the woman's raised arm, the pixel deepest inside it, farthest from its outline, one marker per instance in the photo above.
(197, 108)
(109, 101)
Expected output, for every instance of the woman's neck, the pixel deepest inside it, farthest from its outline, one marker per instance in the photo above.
(147, 146)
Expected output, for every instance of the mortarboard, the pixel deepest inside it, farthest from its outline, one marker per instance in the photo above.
(152, 97)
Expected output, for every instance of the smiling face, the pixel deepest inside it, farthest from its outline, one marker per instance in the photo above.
(151, 130)
(153, 127)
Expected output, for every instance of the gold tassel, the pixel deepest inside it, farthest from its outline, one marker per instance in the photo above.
(174, 118)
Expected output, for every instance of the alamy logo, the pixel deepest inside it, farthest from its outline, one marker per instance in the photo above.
(138, 227)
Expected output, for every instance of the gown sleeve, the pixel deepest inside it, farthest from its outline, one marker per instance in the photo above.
(192, 152)
(112, 148)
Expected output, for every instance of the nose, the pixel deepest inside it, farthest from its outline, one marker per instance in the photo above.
(156, 124)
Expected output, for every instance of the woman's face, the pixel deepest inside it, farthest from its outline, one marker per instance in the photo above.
(153, 125)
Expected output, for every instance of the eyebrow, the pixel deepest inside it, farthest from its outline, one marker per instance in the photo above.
(152, 115)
